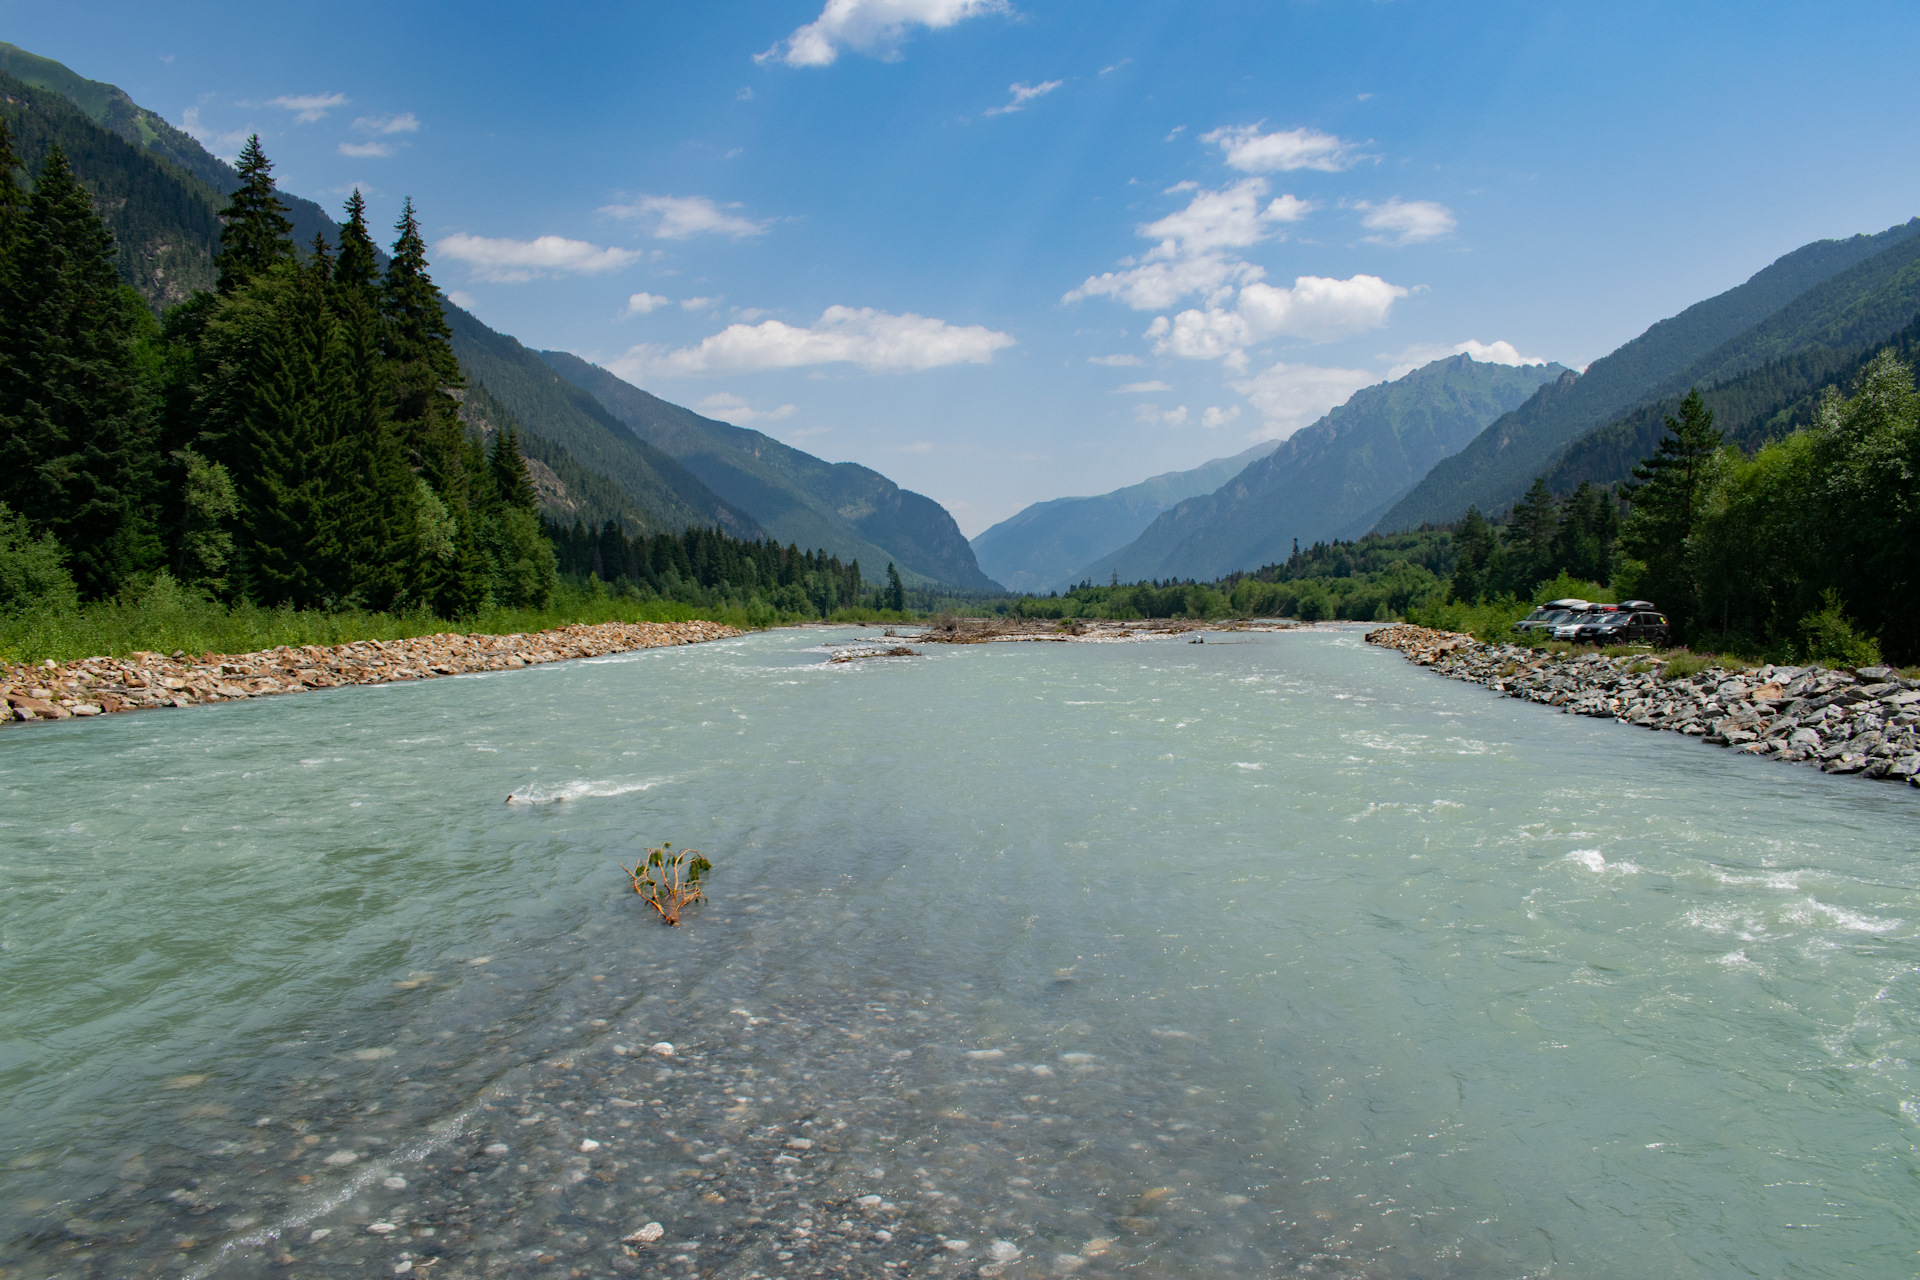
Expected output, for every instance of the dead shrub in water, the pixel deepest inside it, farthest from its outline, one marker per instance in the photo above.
(669, 881)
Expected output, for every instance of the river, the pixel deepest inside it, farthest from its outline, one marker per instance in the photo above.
(1270, 956)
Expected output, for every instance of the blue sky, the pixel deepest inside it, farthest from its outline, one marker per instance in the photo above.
(1006, 250)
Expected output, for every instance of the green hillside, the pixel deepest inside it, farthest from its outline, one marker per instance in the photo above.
(851, 511)
(1329, 480)
(1752, 409)
(1496, 468)
(1040, 547)
(668, 495)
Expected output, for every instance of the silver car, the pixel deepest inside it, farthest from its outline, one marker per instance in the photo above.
(1548, 616)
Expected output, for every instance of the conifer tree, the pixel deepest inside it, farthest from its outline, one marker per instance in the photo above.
(896, 590)
(257, 233)
(1536, 520)
(72, 415)
(512, 485)
(1666, 505)
(1476, 543)
(359, 265)
(13, 201)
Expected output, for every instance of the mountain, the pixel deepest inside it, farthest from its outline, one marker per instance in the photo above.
(1038, 548)
(849, 510)
(1751, 408)
(1332, 479)
(109, 107)
(668, 494)
(161, 192)
(1708, 340)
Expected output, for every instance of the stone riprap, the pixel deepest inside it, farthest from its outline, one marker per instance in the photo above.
(95, 686)
(1856, 722)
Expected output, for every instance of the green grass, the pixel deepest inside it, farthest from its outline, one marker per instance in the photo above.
(166, 618)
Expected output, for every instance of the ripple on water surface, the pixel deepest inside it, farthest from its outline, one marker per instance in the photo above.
(1268, 958)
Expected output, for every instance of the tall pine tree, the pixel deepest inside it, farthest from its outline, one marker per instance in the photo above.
(257, 234)
(73, 417)
(1666, 505)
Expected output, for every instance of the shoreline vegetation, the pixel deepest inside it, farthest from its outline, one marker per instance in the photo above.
(144, 680)
(1864, 721)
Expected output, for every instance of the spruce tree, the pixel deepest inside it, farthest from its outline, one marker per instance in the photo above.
(1536, 519)
(1666, 505)
(512, 485)
(73, 419)
(1475, 544)
(359, 265)
(13, 201)
(896, 590)
(257, 234)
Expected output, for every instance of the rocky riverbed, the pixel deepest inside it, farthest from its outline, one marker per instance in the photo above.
(97, 686)
(1855, 722)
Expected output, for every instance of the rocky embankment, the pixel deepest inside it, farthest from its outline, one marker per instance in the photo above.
(95, 686)
(1859, 722)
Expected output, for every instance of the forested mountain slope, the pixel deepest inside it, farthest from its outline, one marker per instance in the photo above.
(1496, 468)
(161, 192)
(1040, 547)
(1331, 479)
(1751, 409)
(851, 511)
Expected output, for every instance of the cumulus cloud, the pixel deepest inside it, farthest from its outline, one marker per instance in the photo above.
(731, 408)
(1134, 387)
(877, 341)
(460, 298)
(641, 303)
(1316, 308)
(363, 150)
(1398, 221)
(516, 260)
(1215, 416)
(1425, 353)
(870, 26)
(1251, 151)
(1191, 256)
(405, 122)
(1117, 362)
(681, 217)
(1154, 416)
(1023, 94)
(700, 304)
(308, 107)
(1289, 396)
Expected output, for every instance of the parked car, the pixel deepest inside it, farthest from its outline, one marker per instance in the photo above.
(1548, 616)
(1620, 626)
(1587, 619)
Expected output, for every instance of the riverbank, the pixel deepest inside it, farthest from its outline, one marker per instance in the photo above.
(1853, 722)
(145, 680)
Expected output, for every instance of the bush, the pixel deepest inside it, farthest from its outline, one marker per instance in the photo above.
(1828, 636)
(33, 571)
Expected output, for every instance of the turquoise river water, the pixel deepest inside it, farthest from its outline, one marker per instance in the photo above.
(1272, 956)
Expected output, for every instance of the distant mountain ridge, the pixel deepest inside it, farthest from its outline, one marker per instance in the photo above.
(851, 511)
(1331, 479)
(1040, 547)
(1781, 308)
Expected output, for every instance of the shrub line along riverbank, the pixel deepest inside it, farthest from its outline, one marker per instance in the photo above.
(1854, 722)
(96, 686)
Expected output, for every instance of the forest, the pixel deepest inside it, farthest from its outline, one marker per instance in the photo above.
(292, 438)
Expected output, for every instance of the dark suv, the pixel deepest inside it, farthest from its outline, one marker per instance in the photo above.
(1629, 624)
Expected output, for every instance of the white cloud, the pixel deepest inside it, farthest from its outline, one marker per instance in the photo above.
(1215, 416)
(363, 150)
(1117, 362)
(1316, 308)
(1289, 396)
(731, 408)
(405, 122)
(308, 107)
(1023, 94)
(699, 304)
(516, 260)
(1406, 221)
(1190, 257)
(1250, 151)
(679, 217)
(461, 298)
(1154, 416)
(641, 303)
(875, 340)
(918, 446)
(1133, 387)
(870, 25)
(1425, 353)
(225, 145)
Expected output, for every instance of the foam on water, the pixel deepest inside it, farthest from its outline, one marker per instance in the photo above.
(580, 789)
